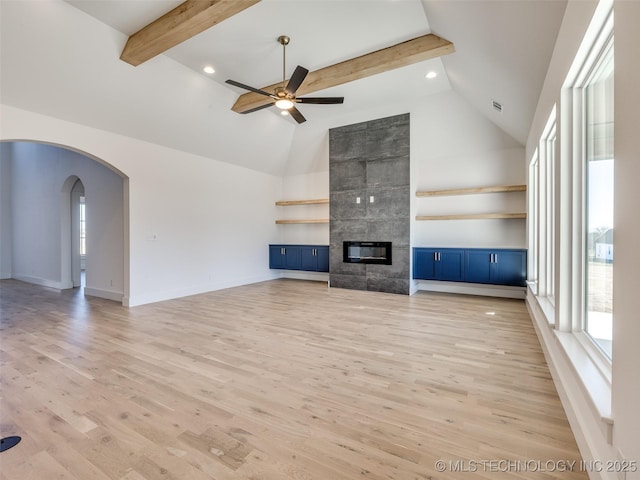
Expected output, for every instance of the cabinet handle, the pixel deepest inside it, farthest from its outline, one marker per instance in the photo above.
(435, 256)
(495, 258)
(283, 251)
(315, 252)
(439, 256)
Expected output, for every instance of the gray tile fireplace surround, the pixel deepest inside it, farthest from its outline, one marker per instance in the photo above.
(370, 159)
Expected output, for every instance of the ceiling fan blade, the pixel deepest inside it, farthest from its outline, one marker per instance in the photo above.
(321, 100)
(261, 107)
(247, 87)
(299, 74)
(297, 116)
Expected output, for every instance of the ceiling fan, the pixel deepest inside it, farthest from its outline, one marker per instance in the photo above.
(284, 96)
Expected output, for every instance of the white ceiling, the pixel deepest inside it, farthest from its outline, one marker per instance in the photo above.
(503, 48)
(245, 47)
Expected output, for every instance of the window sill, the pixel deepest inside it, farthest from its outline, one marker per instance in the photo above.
(533, 287)
(595, 377)
(548, 309)
(591, 370)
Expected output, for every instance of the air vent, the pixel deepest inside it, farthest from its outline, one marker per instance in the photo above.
(497, 106)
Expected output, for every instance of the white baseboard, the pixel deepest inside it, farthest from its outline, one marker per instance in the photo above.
(471, 289)
(5, 275)
(143, 299)
(299, 275)
(45, 282)
(101, 293)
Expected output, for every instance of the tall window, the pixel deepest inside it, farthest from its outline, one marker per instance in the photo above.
(598, 204)
(83, 228)
(542, 181)
(548, 146)
(534, 219)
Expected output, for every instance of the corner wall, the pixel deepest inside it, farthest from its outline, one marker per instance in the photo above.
(626, 301)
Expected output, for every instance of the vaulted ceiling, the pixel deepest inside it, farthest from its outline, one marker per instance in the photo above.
(502, 49)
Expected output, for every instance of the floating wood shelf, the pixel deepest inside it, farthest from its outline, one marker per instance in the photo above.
(308, 220)
(471, 191)
(288, 203)
(474, 216)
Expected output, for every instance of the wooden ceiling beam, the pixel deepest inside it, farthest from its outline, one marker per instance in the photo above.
(183, 22)
(400, 55)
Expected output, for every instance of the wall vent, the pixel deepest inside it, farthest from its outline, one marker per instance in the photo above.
(497, 106)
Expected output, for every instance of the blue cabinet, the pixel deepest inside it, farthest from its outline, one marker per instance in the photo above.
(276, 257)
(511, 267)
(479, 265)
(472, 265)
(314, 258)
(284, 256)
(322, 253)
(496, 266)
(438, 264)
(311, 258)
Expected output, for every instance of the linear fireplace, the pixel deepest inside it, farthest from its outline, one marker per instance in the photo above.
(366, 252)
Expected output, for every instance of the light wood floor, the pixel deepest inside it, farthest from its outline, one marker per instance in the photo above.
(277, 380)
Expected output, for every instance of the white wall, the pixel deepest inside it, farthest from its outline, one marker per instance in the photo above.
(38, 175)
(454, 146)
(195, 224)
(300, 187)
(590, 430)
(626, 302)
(5, 211)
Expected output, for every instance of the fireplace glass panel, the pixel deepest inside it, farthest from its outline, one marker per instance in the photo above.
(367, 252)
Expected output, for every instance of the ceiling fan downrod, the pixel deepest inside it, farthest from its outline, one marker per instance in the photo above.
(284, 41)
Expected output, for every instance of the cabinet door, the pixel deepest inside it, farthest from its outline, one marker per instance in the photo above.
(511, 267)
(424, 264)
(276, 256)
(478, 266)
(291, 258)
(322, 254)
(308, 259)
(450, 265)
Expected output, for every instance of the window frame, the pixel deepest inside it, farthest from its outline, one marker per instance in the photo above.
(572, 275)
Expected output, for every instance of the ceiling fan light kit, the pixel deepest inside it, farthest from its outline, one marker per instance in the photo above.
(284, 96)
(284, 104)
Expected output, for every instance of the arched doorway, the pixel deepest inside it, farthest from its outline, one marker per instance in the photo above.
(77, 232)
(57, 247)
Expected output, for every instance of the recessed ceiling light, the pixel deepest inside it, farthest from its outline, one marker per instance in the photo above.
(431, 75)
(209, 69)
